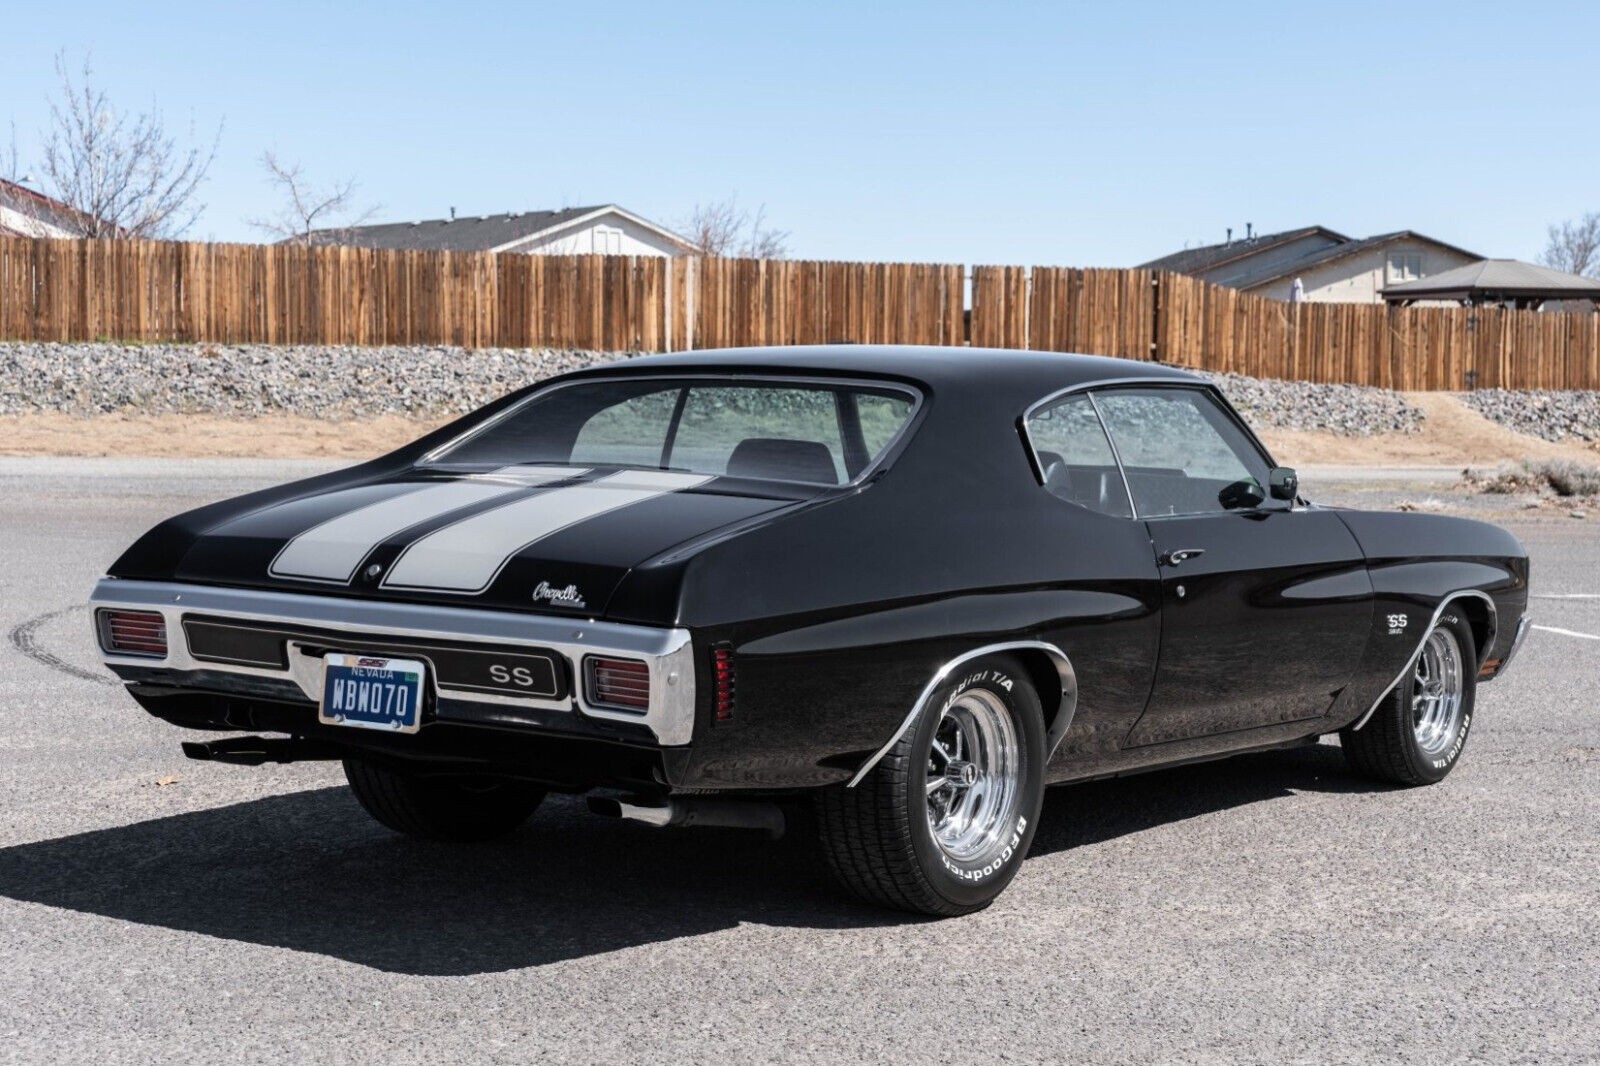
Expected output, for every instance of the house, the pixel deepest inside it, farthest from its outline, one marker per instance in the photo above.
(1329, 266)
(25, 213)
(605, 230)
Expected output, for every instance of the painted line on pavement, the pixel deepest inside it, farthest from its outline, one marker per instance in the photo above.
(1567, 632)
(1566, 596)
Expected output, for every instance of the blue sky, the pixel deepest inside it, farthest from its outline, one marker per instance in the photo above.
(1049, 133)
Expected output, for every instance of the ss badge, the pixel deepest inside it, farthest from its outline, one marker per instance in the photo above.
(1397, 624)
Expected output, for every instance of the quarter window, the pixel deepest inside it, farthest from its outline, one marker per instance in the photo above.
(1181, 452)
(1076, 459)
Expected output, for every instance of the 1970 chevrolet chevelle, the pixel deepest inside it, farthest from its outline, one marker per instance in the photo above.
(915, 586)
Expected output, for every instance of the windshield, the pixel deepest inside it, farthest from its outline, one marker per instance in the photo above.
(823, 434)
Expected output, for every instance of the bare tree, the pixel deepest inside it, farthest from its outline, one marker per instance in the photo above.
(721, 228)
(122, 173)
(307, 208)
(1574, 246)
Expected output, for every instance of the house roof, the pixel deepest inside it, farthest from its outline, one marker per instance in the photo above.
(1238, 264)
(36, 205)
(1497, 277)
(1209, 256)
(476, 233)
(1250, 279)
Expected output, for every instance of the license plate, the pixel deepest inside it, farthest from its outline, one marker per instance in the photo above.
(369, 692)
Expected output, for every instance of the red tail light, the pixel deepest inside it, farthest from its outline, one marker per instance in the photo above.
(621, 683)
(722, 668)
(133, 633)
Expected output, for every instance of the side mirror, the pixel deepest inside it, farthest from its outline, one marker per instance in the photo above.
(1241, 495)
(1285, 483)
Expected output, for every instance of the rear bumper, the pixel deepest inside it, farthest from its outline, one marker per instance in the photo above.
(303, 626)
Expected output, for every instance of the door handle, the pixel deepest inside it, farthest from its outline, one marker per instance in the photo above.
(1178, 555)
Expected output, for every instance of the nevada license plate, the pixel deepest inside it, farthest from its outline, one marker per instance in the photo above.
(369, 692)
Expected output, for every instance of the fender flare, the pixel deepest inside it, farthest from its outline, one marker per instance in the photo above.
(1411, 660)
(1058, 728)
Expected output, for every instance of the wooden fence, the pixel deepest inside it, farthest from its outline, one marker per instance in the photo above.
(279, 294)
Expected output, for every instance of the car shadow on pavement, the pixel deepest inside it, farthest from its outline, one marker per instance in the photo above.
(309, 871)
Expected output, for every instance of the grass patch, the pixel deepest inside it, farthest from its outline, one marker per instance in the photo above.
(1563, 477)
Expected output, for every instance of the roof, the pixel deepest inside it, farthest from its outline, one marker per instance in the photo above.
(1027, 374)
(1497, 277)
(1337, 252)
(475, 233)
(1209, 256)
(36, 205)
(1247, 273)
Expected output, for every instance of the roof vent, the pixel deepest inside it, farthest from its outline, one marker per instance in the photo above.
(452, 217)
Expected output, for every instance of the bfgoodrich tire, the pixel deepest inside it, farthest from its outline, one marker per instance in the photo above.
(441, 808)
(1419, 731)
(941, 824)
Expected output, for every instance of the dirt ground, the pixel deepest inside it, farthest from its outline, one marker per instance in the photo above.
(1452, 434)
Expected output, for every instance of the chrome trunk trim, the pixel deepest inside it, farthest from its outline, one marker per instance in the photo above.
(669, 652)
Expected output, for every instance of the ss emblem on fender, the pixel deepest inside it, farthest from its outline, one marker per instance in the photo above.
(1397, 624)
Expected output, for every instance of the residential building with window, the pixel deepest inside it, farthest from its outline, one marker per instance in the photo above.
(1330, 266)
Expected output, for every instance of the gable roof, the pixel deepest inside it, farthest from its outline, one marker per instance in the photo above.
(477, 233)
(1497, 277)
(1247, 273)
(1209, 256)
(41, 209)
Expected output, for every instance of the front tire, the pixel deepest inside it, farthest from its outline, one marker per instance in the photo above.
(1417, 734)
(441, 808)
(941, 824)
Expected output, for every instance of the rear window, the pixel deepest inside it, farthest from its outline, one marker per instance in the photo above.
(822, 434)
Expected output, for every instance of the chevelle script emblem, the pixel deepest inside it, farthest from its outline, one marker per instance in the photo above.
(567, 597)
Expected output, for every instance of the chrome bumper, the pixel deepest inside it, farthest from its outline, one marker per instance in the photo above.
(668, 652)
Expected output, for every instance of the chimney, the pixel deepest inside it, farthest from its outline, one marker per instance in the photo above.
(1229, 242)
(1249, 231)
(452, 214)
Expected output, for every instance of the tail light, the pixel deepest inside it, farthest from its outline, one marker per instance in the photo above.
(133, 633)
(722, 691)
(620, 683)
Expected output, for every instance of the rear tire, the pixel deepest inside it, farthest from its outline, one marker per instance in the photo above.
(441, 808)
(1417, 734)
(942, 822)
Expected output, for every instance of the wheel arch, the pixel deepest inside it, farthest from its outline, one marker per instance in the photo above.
(1478, 607)
(1049, 671)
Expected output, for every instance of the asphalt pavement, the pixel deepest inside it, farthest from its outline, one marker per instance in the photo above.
(1270, 908)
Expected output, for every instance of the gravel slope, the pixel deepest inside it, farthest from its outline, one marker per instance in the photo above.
(85, 379)
(1546, 414)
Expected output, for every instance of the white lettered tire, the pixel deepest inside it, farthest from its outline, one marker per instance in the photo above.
(941, 825)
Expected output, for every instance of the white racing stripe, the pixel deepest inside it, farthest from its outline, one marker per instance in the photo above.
(1567, 632)
(468, 555)
(331, 550)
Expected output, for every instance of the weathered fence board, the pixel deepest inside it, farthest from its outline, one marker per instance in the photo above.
(282, 294)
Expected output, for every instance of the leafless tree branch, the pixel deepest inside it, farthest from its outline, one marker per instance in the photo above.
(721, 228)
(1574, 246)
(121, 172)
(306, 209)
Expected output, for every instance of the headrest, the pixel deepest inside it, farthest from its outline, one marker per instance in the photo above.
(783, 460)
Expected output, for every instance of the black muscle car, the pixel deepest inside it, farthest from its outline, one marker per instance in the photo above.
(912, 585)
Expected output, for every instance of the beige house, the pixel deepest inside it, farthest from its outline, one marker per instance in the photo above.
(1329, 266)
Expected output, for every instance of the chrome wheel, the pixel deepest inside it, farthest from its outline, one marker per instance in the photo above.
(1437, 684)
(974, 772)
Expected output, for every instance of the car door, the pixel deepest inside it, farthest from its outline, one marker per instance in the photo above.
(1266, 606)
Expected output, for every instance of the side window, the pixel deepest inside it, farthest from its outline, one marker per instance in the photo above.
(630, 433)
(1181, 453)
(1076, 458)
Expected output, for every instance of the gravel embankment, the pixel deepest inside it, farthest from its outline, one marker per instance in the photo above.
(1551, 415)
(221, 379)
(1349, 410)
(325, 382)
